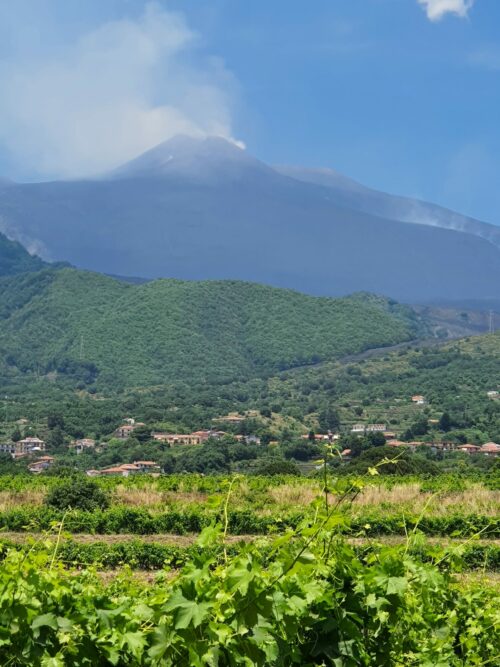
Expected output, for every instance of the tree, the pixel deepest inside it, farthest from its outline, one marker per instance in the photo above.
(55, 420)
(142, 434)
(445, 423)
(16, 435)
(328, 419)
(376, 439)
(402, 462)
(302, 451)
(278, 467)
(55, 439)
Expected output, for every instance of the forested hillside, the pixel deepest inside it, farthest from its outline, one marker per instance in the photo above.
(16, 259)
(454, 379)
(101, 332)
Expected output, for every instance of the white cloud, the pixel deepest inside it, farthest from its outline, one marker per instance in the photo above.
(116, 92)
(436, 9)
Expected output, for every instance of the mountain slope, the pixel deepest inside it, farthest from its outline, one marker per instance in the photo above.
(15, 259)
(194, 209)
(454, 377)
(352, 194)
(93, 328)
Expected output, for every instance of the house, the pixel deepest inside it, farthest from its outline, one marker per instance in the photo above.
(147, 466)
(30, 444)
(125, 430)
(396, 443)
(82, 445)
(418, 399)
(443, 446)
(492, 394)
(206, 434)
(358, 429)
(490, 449)
(376, 428)
(23, 447)
(248, 439)
(41, 464)
(389, 435)
(127, 469)
(318, 437)
(124, 470)
(180, 438)
(468, 449)
(8, 448)
(232, 418)
(346, 454)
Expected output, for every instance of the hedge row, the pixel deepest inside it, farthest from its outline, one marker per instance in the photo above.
(137, 521)
(154, 556)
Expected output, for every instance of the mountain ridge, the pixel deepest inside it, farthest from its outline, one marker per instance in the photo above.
(237, 218)
(397, 207)
(93, 328)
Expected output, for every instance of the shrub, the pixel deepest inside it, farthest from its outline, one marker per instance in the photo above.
(278, 467)
(78, 493)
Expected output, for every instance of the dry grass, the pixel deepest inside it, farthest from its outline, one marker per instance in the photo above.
(140, 497)
(288, 495)
(151, 497)
(399, 494)
(10, 500)
(475, 500)
(409, 497)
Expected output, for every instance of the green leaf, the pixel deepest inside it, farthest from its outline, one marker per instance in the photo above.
(187, 612)
(396, 585)
(135, 641)
(45, 620)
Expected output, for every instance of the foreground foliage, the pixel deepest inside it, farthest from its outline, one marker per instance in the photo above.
(305, 598)
(306, 601)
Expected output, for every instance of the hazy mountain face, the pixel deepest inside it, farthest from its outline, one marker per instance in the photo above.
(357, 196)
(205, 209)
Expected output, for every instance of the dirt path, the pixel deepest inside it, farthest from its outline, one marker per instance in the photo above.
(188, 540)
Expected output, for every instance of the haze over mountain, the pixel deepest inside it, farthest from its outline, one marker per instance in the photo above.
(14, 258)
(205, 209)
(405, 209)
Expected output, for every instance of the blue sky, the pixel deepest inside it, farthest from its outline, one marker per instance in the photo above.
(402, 95)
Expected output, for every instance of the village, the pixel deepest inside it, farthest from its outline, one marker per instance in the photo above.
(34, 450)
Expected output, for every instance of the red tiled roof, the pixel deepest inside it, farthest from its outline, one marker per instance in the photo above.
(490, 447)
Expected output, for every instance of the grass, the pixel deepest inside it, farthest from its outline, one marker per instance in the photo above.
(409, 497)
(28, 497)
(403, 497)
